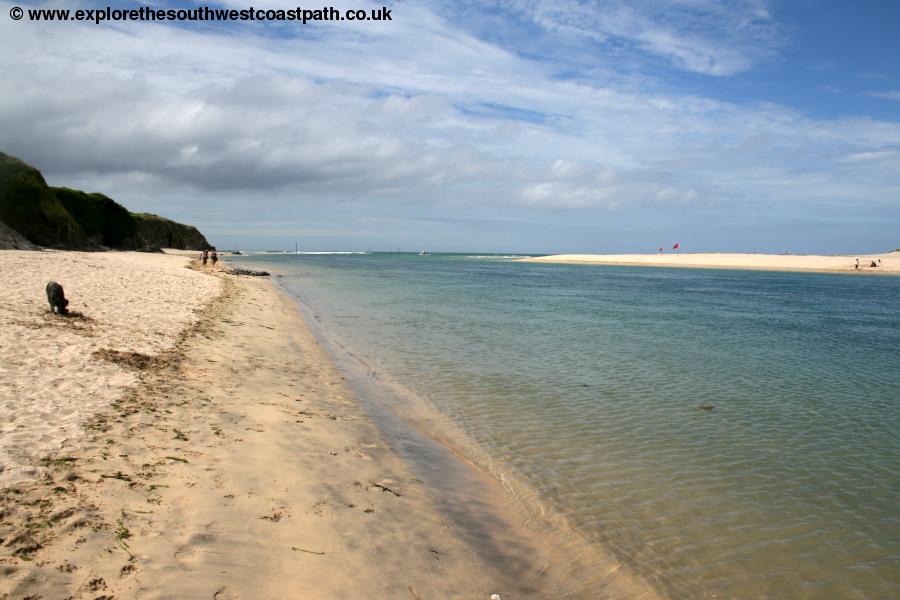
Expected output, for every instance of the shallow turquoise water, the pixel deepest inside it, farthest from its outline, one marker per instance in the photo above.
(587, 380)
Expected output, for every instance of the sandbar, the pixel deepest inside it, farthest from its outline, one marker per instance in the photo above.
(888, 263)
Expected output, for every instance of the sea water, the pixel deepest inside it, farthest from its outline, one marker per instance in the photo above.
(724, 433)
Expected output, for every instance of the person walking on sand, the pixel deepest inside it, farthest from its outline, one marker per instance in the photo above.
(204, 256)
(857, 264)
(214, 257)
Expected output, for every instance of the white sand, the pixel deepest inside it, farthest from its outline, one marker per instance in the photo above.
(241, 466)
(49, 380)
(890, 262)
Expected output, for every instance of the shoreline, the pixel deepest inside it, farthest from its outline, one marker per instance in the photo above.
(890, 261)
(240, 463)
(462, 473)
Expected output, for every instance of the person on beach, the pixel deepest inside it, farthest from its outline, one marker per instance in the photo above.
(215, 258)
(857, 264)
(204, 256)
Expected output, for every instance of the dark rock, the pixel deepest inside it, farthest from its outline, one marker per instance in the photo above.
(10, 239)
(249, 272)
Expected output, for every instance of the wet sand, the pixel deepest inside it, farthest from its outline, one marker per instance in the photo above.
(234, 461)
(890, 261)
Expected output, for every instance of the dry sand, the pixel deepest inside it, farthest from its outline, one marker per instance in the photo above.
(890, 262)
(50, 380)
(229, 459)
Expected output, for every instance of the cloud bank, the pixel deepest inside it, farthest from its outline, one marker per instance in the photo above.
(423, 118)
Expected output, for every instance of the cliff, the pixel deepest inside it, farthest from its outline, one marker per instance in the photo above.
(29, 207)
(105, 222)
(156, 231)
(59, 217)
(10, 239)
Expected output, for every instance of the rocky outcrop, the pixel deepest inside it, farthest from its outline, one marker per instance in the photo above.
(10, 239)
(248, 272)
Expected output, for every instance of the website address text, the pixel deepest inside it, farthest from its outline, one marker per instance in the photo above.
(203, 13)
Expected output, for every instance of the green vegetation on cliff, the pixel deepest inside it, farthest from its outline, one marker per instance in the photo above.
(153, 230)
(76, 220)
(105, 222)
(29, 207)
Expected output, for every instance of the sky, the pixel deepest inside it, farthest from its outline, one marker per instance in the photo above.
(479, 126)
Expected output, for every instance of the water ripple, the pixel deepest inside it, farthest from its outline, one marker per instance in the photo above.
(587, 382)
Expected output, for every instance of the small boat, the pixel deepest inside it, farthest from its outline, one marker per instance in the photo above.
(423, 253)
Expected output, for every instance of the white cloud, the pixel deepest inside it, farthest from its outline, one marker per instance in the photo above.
(877, 155)
(885, 95)
(412, 113)
(712, 37)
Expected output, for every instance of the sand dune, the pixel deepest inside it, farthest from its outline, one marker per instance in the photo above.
(890, 262)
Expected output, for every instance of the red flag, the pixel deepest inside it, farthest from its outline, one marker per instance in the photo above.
(675, 247)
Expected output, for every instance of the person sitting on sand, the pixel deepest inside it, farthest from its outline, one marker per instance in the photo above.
(203, 257)
(214, 257)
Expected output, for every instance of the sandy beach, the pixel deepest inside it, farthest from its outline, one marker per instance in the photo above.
(186, 436)
(50, 380)
(890, 261)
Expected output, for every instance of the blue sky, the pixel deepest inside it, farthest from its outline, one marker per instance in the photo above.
(506, 125)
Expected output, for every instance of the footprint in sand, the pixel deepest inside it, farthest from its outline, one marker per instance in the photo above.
(225, 594)
(187, 557)
(363, 455)
(213, 528)
(190, 555)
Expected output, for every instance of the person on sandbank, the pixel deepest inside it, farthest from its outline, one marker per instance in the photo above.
(204, 256)
(214, 257)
